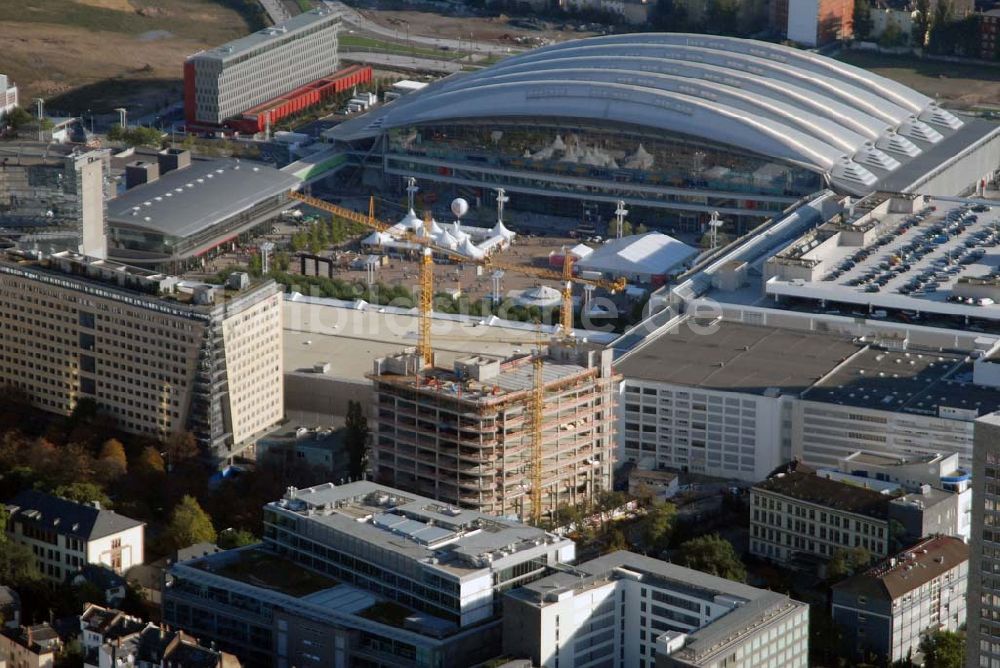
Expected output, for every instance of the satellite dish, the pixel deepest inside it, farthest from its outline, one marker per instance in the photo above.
(459, 207)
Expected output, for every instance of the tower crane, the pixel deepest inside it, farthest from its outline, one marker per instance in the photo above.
(536, 401)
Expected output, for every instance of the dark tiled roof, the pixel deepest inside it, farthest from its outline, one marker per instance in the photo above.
(913, 568)
(67, 518)
(835, 495)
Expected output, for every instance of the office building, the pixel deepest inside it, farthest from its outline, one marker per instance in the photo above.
(734, 399)
(815, 22)
(52, 197)
(701, 123)
(463, 435)
(626, 610)
(887, 610)
(157, 354)
(180, 210)
(8, 95)
(799, 517)
(983, 627)
(362, 574)
(65, 535)
(935, 483)
(223, 82)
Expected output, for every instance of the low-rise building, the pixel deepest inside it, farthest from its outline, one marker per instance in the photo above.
(797, 516)
(932, 494)
(99, 626)
(113, 640)
(65, 535)
(625, 609)
(8, 96)
(30, 646)
(661, 484)
(362, 573)
(888, 609)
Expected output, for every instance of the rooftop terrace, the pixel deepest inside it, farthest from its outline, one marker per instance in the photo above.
(808, 487)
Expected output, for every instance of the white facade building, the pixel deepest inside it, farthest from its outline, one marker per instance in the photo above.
(8, 95)
(983, 648)
(737, 400)
(226, 81)
(625, 609)
(65, 535)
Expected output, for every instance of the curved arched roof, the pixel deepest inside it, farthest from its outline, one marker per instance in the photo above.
(773, 100)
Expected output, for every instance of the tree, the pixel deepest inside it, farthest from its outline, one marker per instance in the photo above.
(17, 562)
(847, 562)
(18, 118)
(189, 524)
(862, 19)
(182, 447)
(641, 229)
(712, 554)
(658, 526)
(943, 649)
(83, 492)
(231, 538)
(617, 540)
(149, 462)
(112, 461)
(921, 22)
(356, 439)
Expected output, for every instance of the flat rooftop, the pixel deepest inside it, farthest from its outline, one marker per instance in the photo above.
(754, 606)
(184, 202)
(738, 357)
(911, 381)
(811, 488)
(261, 568)
(348, 338)
(931, 158)
(457, 541)
(266, 36)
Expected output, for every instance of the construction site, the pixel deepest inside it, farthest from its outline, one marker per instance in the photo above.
(520, 436)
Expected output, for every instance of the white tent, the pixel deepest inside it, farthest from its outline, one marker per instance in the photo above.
(470, 249)
(492, 244)
(446, 240)
(581, 251)
(376, 239)
(499, 230)
(435, 228)
(639, 257)
(541, 295)
(458, 232)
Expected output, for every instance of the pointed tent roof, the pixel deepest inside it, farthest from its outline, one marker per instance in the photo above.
(445, 239)
(499, 230)
(411, 221)
(435, 228)
(376, 239)
(470, 249)
(456, 231)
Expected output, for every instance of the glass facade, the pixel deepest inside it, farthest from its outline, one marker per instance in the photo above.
(582, 158)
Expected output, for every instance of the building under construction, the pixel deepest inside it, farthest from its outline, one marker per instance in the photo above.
(467, 435)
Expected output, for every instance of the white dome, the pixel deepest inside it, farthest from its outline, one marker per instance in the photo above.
(540, 295)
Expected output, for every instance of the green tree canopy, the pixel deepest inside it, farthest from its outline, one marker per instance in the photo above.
(712, 554)
(236, 538)
(658, 527)
(943, 649)
(112, 462)
(17, 563)
(149, 462)
(189, 524)
(847, 562)
(83, 492)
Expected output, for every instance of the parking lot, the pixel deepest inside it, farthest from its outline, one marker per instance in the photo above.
(924, 254)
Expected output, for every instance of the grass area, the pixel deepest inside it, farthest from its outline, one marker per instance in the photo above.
(387, 612)
(263, 569)
(382, 46)
(954, 84)
(304, 5)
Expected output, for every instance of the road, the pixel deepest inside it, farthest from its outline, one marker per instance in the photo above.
(401, 62)
(361, 22)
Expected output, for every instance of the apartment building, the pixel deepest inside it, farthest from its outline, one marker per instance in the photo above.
(8, 95)
(65, 535)
(887, 610)
(625, 609)
(814, 22)
(799, 516)
(34, 646)
(226, 81)
(736, 400)
(983, 627)
(55, 195)
(157, 354)
(362, 574)
(464, 436)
